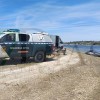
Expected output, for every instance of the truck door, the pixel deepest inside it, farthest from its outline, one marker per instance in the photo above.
(24, 45)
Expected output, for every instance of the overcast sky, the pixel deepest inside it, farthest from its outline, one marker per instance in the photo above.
(73, 20)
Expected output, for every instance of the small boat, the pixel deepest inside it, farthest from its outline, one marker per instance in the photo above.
(93, 52)
(97, 54)
(90, 52)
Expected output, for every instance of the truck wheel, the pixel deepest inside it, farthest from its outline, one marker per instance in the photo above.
(39, 56)
(23, 59)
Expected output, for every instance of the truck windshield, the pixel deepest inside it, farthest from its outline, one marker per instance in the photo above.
(1, 35)
(61, 41)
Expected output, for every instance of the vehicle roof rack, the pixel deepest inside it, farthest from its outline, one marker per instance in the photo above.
(43, 33)
(12, 30)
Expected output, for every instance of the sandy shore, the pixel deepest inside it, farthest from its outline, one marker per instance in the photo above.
(74, 76)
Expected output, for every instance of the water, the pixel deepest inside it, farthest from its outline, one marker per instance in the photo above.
(83, 48)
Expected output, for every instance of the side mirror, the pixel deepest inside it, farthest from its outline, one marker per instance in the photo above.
(61, 42)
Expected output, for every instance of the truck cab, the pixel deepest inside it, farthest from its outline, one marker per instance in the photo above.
(15, 44)
(58, 44)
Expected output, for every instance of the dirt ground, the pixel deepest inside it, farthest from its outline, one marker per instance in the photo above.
(74, 76)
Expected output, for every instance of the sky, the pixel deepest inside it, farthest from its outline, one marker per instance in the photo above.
(72, 20)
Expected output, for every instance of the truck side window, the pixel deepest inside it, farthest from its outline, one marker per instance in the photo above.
(8, 38)
(23, 37)
(61, 41)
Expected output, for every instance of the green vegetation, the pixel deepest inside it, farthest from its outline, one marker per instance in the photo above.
(84, 42)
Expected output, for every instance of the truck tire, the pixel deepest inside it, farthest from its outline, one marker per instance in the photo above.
(39, 56)
(23, 59)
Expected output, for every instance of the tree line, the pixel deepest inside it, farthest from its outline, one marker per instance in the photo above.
(84, 42)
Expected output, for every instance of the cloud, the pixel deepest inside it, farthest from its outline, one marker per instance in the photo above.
(77, 19)
(48, 15)
(78, 33)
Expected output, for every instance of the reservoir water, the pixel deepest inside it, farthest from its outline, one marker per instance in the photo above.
(83, 48)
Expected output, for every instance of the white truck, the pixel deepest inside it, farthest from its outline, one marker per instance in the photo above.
(58, 44)
(15, 44)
